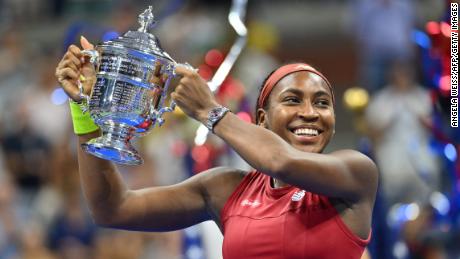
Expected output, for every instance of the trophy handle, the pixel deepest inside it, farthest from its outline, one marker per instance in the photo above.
(92, 54)
(157, 115)
(93, 59)
(171, 108)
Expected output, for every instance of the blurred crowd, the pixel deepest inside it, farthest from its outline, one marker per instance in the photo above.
(42, 213)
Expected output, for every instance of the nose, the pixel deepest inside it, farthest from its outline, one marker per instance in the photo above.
(307, 112)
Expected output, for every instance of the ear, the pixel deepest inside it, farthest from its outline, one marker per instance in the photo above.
(262, 115)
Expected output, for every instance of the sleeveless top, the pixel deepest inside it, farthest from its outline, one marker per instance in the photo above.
(263, 222)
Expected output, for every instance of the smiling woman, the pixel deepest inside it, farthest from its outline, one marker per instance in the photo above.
(301, 91)
(296, 203)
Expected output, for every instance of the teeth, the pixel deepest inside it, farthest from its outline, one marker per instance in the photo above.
(303, 131)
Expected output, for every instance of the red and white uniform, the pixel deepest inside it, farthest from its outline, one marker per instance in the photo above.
(262, 222)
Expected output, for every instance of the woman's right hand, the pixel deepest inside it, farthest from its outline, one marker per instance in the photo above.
(75, 66)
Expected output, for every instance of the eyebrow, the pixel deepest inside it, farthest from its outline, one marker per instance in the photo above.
(300, 92)
(292, 90)
(321, 93)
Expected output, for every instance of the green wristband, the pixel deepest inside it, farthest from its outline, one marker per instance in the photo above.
(82, 122)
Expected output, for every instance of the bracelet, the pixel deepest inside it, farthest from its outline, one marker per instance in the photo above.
(82, 122)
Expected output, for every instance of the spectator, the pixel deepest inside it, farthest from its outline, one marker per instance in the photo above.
(398, 120)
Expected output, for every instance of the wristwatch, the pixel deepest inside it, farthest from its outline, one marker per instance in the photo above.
(214, 116)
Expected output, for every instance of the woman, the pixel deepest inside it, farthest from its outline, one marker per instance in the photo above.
(297, 203)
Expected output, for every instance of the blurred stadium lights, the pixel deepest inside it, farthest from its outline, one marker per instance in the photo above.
(401, 212)
(444, 84)
(400, 250)
(214, 57)
(244, 116)
(421, 39)
(356, 98)
(440, 202)
(110, 35)
(432, 28)
(58, 96)
(205, 71)
(450, 152)
(445, 29)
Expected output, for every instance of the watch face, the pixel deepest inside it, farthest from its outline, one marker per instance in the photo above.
(214, 113)
(214, 116)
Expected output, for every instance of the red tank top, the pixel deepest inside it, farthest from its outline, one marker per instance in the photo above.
(262, 222)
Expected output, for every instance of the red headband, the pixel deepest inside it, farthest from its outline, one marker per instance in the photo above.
(283, 71)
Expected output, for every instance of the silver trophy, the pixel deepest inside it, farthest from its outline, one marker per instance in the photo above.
(126, 102)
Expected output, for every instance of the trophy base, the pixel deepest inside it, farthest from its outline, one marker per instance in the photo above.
(114, 145)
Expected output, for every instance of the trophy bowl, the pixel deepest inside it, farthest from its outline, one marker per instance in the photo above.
(126, 100)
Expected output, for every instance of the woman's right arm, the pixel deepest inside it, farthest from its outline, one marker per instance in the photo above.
(164, 208)
(111, 203)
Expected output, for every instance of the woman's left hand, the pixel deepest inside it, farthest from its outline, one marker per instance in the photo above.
(193, 95)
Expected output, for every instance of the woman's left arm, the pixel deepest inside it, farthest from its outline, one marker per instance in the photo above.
(343, 174)
(346, 174)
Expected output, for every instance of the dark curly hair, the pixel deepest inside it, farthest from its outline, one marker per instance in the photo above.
(256, 116)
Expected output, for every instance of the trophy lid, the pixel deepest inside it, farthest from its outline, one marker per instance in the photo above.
(141, 39)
